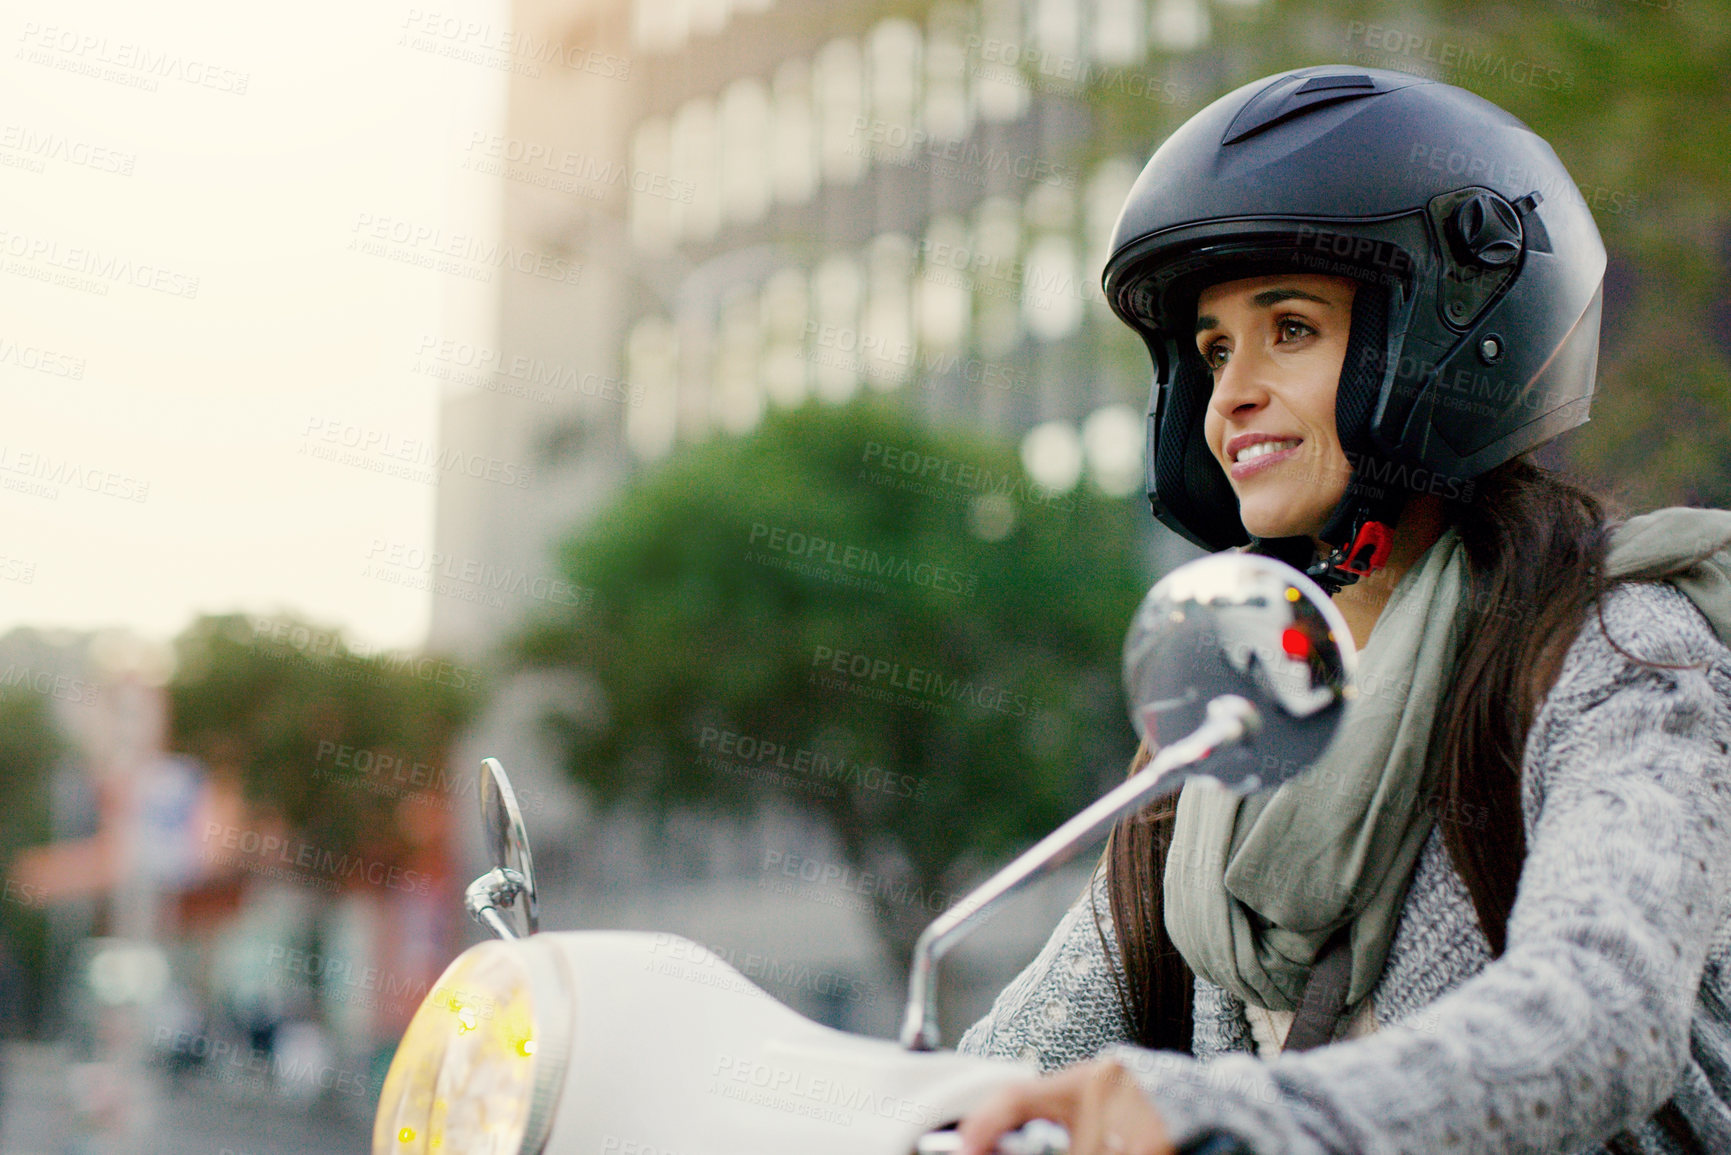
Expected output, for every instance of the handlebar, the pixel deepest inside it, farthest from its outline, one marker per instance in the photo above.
(1043, 1137)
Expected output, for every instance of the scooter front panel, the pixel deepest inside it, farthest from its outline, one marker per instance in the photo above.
(676, 1053)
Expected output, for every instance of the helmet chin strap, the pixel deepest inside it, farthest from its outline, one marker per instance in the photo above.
(1359, 534)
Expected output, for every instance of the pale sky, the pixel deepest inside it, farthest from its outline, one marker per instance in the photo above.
(146, 147)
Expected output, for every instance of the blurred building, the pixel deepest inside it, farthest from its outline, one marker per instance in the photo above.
(774, 201)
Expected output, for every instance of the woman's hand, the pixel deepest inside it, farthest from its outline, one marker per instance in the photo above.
(1099, 1103)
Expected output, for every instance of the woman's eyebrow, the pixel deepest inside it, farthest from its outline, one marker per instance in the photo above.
(1274, 296)
(1263, 300)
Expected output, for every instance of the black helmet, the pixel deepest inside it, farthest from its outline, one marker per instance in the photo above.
(1475, 332)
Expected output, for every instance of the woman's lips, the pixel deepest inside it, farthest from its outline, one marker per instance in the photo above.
(1243, 469)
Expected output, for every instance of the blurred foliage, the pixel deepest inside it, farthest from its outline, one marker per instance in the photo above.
(276, 701)
(1004, 710)
(1632, 96)
(29, 747)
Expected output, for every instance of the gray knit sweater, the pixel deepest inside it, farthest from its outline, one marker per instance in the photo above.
(1614, 992)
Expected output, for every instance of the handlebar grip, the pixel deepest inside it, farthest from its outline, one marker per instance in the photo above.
(1216, 1143)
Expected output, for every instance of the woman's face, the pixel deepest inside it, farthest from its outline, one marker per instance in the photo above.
(1275, 346)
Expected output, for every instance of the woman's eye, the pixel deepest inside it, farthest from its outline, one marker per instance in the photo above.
(1292, 329)
(1214, 356)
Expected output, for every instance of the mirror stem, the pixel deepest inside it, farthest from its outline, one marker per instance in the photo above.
(1229, 719)
(484, 897)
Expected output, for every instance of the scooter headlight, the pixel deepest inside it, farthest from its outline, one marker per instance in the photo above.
(480, 1067)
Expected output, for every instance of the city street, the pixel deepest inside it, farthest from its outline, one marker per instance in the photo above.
(203, 1118)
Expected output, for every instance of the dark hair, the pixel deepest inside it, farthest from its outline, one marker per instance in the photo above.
(1535, 550)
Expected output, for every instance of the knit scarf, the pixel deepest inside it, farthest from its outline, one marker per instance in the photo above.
(1256, 885)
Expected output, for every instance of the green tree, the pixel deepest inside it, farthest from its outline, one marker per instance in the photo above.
(29, 746)
(883, 623)
(281, 702)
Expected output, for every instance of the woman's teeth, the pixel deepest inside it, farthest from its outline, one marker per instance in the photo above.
(1262, 449)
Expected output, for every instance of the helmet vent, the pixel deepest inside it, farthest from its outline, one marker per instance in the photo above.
(1323, 83)
(1292, 95)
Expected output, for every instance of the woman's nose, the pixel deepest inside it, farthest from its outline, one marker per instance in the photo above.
(1238, 387)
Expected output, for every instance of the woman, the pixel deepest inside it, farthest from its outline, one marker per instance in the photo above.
(1495, 915)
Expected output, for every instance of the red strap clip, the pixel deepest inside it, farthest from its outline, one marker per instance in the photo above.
(1370, 549)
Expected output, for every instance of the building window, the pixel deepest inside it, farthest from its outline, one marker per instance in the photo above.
(659, 25)
(1058, 33)
(708, 17)
(1103, 199)
(994, 247)
(838, 85)
(1051, 288)
(1179, 25)
(945, 290)
(1000, 89)
(948, 113)
(783, 318)
(1113, 440)
(834, 344)
(695, 165)
(738, 397)
(650, 207)
(793, 135)
(744, 161)
(893, 52)
(652, 365)
(888, 342)
(1117, 36)
(1052, 455)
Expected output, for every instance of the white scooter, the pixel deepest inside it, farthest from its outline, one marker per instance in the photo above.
(615, 1043)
